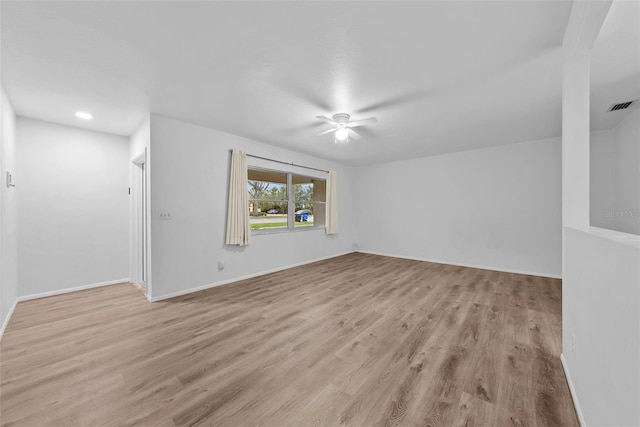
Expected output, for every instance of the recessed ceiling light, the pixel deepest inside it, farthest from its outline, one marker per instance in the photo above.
(83, 115)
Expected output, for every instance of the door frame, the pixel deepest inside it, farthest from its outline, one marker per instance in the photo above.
(140, 225)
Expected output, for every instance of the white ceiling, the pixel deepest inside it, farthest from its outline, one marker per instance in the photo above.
(615, 64)
(440, 76)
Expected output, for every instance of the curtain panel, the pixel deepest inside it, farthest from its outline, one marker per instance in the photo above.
(238, 230)
(332, 203)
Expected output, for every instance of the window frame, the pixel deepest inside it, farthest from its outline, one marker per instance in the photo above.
(291, 203)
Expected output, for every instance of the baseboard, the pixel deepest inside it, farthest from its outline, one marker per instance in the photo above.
(576, 404)
(6, 319)
(74, 289)
(238, 279)
(480, 267)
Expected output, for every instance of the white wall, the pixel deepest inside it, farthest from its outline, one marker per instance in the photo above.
(603, 179)
(141, 139)
(73, 206)
(615, 176)
(8, 217)
(627, 143)
(600, 302)
(189, 175)
(602, 320)
(497, 208)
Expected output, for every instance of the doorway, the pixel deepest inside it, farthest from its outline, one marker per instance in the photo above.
(139, 248)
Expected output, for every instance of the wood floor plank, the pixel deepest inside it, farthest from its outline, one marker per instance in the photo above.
(356, 340)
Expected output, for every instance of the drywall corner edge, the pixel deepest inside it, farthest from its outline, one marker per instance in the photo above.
(572, 390)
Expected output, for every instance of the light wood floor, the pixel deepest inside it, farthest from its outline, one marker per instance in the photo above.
(357, 340)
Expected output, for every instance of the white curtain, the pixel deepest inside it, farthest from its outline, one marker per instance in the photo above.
(238, 231)
(332, 203)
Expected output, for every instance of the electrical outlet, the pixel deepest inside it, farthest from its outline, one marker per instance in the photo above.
(220, 264)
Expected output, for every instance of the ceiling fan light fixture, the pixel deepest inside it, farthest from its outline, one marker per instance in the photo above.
(342, 128)
(342, 135)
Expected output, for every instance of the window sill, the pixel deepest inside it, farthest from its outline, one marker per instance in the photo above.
(285, 230)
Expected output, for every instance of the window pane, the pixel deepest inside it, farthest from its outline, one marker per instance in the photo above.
(303, 216)
(267, 185)
(309, 189)
(267, 176)
(319, 214)
(303, 193)
(267, 215)
(310, 196)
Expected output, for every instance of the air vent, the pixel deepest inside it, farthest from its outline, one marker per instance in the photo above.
(621, 106)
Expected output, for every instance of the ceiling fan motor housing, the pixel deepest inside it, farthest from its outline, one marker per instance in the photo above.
(341, 118)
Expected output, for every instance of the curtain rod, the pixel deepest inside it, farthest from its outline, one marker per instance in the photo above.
(286, 163)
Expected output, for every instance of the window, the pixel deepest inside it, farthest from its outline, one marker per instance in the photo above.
(309, 196)
(280, 201)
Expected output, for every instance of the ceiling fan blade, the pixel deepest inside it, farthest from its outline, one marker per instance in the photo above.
(327, 119)
(306, 128)
(393, 102)
(357, 123)
(326, 132)
(366, 132)
(353, 134)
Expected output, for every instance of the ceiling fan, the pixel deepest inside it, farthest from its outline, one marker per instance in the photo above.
(343, 128)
